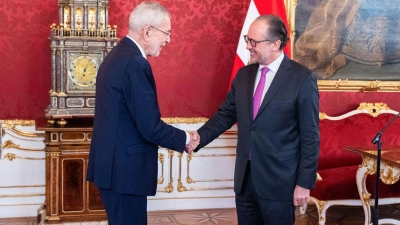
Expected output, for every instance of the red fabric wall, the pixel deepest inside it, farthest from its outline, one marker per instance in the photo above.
(338, 103)
(192, 72)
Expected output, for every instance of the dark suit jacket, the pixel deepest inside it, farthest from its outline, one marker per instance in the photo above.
(127, 126)
(283, 138)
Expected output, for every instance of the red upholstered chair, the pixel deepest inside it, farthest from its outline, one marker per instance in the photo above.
(338, 167)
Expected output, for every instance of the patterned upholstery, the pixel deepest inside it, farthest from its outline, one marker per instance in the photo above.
(338, 167)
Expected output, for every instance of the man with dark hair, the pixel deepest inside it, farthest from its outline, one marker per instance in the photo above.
(274, 102)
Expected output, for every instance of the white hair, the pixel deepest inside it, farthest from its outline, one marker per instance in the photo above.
(147, 13)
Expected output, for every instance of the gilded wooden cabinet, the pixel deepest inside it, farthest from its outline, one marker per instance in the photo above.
(78, 43)
(69, 197)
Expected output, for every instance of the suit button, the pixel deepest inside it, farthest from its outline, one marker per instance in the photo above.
(252, 131)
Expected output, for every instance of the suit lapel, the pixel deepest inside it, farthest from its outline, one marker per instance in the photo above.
(277, 83)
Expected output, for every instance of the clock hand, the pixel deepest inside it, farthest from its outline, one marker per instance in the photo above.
(87, 65)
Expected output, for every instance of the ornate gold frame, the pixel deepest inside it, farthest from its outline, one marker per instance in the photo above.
(340, 85)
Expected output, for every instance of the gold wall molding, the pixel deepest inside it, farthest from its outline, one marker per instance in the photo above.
(227, 146)
(229, 134)
(22, 195)
(11, 126)
(206, 189)
(23, 186)
(213, 155)
(358, 85)
(160, 180)
(11, 144)
(12, 156)
(169, 188)
(290, 6)
(169, 120)
(189, 158)
(1, 205)
(180, 186)
(26, 123)
(3, 133)
(212, 180)
(189, 180)
(180, 120)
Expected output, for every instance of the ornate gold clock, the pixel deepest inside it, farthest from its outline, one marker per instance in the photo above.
(78, 46)
(83, 70)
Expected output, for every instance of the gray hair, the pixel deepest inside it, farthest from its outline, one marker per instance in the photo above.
(147, 13)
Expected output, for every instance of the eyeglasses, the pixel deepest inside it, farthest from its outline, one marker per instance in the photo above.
(167, 33)
(252, 41)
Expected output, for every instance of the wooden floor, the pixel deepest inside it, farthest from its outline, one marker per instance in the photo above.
(342, 215)
(337, 215)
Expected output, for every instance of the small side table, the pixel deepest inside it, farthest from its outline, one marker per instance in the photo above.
(389, 174)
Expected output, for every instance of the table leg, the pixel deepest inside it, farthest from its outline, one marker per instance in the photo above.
(367, 167)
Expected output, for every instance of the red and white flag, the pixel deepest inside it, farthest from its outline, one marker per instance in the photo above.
(257, 8)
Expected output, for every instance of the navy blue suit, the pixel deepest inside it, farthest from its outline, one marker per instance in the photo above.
(284, 136)
(127, 127)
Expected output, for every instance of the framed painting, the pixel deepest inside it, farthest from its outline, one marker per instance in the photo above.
(350, 44)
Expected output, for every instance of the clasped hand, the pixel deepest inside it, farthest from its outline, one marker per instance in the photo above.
(193, 143)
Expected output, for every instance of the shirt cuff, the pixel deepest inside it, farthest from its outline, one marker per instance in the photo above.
(187, 137)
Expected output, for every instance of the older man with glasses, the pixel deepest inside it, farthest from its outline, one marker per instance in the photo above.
(127, 125)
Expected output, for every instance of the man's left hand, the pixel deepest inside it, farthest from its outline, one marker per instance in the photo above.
(301, 196)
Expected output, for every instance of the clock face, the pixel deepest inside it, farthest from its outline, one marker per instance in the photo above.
(83, 70)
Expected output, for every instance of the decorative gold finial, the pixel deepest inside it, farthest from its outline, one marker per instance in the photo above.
(51, 122)
(62, 122)
(322, 116)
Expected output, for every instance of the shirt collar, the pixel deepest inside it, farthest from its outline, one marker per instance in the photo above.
(140, 48)
(274, 66)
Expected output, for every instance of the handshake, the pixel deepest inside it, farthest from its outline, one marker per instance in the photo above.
(193, 143)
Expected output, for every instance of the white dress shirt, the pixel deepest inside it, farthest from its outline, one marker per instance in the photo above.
(273, 68)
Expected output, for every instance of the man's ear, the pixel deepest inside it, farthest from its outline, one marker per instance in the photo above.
(277, 45)
(146, 33)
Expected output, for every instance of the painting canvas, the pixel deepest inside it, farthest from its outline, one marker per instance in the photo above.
(348, 39)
